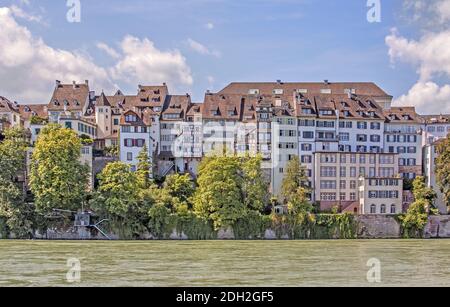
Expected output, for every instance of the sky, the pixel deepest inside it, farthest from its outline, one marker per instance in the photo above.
(199, 45)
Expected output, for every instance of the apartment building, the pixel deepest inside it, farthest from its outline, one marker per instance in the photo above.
(134, 136)
(9, 114)
(430, 155)
(435, 127)
(403, 135)
(337, 174)
(380, 196)
(353, 125)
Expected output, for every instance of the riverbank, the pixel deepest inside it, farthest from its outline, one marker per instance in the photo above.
(324, 227)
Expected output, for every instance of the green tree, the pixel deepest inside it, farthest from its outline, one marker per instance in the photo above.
(219, 193)
(117, 189)
(416, 218)
(443, 168)
(294, 185)
(19, 215)
(180, 186)
(255, 188)
(58, 178)
(143, 168)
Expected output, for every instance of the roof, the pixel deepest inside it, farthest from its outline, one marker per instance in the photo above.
(72, 97)
(102, 101)
(315, 88)
(29, 110)
(436, 119)
(229, 107)
(140, 119)
(151, 96)
(403, 115)
(177, 104)
(8, 106)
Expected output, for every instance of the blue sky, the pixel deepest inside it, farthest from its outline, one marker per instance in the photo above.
(246, 40)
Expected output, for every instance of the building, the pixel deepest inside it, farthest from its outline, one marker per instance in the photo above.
(337, 174)
(134, 136)
(430, 155)
(380, 195)
(403, 135)
(436, 127)
(9, 114)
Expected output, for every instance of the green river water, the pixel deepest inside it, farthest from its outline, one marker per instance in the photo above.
(226, 263)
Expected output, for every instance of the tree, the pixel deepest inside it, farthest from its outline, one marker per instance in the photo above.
(179, 186)
(219, 193)
(416, 218)
(255, 188)
(443, 168)
(117, 190)
(13, 152)
(294, 179)
(143, 168)
(58, 178)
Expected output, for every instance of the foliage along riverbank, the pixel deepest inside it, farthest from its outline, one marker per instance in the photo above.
(230, 193)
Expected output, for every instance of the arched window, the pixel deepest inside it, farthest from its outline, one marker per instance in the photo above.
(373, 209)
(393, 209)
(383, 209)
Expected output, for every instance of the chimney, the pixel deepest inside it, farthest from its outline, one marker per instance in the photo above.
(58, 83)
(326, 81)
(279, 82)
(208, 92)
(74, 83)
(164, 84)
(86, 82)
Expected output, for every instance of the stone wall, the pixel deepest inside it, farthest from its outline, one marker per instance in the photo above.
(378, 227)
(438, 227)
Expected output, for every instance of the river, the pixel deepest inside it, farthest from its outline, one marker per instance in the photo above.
(225, 263)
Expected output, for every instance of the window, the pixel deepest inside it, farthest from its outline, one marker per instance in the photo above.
(343, 158)
(325, 124)
(343, 172)
(140, 143)
(373, 209)
(278, 91)
(353, 172)
(328, 171)
(328, 196)
(126, 129)
(362, 125)
(308, 134)
(325, 91)
(353, 184)
(128, 142)
(306, 122)
(344, 136)
(393, 209)
(342, 196)
(375, 138)
(69, 125)
(343, 184)
(306, 159)
(328, 158)
(130, 118)
(129, 156)
(375, 126)
(352, 196)
(361, 138)
(328, 184)
(306, 147)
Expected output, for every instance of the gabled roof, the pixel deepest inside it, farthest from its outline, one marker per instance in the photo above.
(71, 97)
(8, 106)
(102, 101)
(140, 120)
(29, 110)
(314, 88)
(403, 115)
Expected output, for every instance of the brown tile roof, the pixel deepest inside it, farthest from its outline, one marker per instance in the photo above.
(228, 107)
(102, 101)
(140, 120)
(72, 96)
(436, 119)
(177, 104)
(29, 110)
(315, 88)
(194, 109)
(403, 115)
(8, 106)
(151, 96)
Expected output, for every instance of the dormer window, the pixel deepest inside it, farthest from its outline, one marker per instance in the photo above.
(326, 112)
(372, 105)
(326, 91)
(56, 102)
(66, 103)
(350, 91)
(344, 104)
(406, 117)
(130, 118)
(76, 102)
(278, 92)
(216, 112)
(27, 109)
(253, 92)
(361, 105)
(371, 114)
(346, 113)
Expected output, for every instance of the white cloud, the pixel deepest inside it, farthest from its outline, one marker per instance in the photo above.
(20, 13)
(427, 97)
(429, 55)
(108, 50)
(210, 26)
(142, 62)
(29, 67)
(202, 49)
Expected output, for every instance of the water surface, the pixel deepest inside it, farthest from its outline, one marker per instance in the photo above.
(226, 263)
